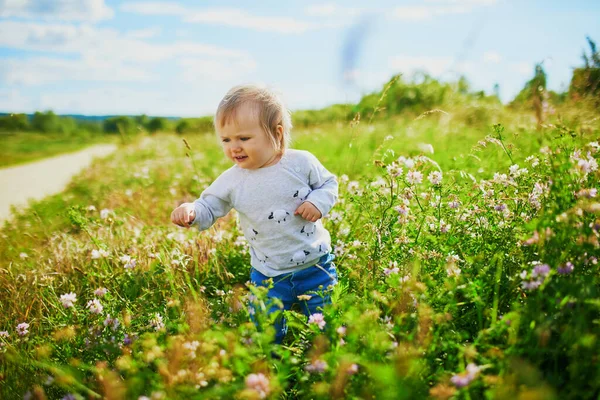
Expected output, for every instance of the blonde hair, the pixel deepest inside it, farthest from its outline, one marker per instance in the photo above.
(269, 106)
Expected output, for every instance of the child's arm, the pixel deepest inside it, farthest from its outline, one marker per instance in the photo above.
(204, 212)
(324, 192)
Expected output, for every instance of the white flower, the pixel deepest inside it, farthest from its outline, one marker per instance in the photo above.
(317, 319)
(68, 299)
(453, 270)
(91, 208)
(95, 306)
(23, 328)
(414, 177)
(105, 213)
(100, 292)
(157, 322)
(23, 256)
(435, 177)
(258, 383)
(317, 366)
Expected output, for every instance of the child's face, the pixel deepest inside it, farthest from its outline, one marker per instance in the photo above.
(245, 143)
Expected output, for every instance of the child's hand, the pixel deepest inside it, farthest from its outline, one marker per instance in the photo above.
(308, 211)
(184, 215)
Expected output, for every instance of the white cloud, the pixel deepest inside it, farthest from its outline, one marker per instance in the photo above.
(491, 57)
(101, 43)
(332, 10)
(436, 8)
(109, 100)
(106, 55)
(12, 100)
(154, 8)
(146, 33)
(41, 70)
(65, 10)
(233, 17)
(242, 19)
(196, 70)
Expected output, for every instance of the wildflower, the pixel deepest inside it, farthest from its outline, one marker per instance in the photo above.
(414, 177)
(100, 292)
(23, 256)
(435, 177)
(68, 299)
(304, 297)
(341, 331)
(453, 270)
(352, 369)
(127, 340)
(541, 270)
(587, 165)
(453, 204)
(463, 379)
(394, 169)
(23, 328)
(587, 193)
(95, 306)
(316, 366)
(408, 162)
(105, 213)
(567, 269)
(96, 254)
(500, 207)
(317, 319)
(444, 227)
(4, 334)
(112, 322)
(392, 270)
(402, 209)
(157, 322)
(69, 396)
(258, 383)
(532, 240)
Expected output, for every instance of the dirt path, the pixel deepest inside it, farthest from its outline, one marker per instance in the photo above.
(42, 178)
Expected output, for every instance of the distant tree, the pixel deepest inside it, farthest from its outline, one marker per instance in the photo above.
(183, 126)
(157, 124)
(142, 121)
(14, 123)
(585, 82)
(119, 125)
(45, 122)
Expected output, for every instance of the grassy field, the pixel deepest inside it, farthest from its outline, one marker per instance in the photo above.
(23, 147)
(467, 259)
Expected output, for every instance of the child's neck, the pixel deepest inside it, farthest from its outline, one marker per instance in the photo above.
(274, 160)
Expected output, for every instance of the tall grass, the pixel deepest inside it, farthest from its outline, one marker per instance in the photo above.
(469, 271)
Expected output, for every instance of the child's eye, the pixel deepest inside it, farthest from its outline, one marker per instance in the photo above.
(244, 139)
(225, 140)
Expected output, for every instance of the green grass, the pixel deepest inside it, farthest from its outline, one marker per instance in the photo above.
(23, 147)
(408, 333)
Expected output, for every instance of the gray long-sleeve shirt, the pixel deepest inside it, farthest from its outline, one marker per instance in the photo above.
(265, 199)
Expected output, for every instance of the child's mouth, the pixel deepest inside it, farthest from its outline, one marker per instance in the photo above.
(240, 158)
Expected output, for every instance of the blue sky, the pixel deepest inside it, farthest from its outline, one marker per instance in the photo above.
(178, 58)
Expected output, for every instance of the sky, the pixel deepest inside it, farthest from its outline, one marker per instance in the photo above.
(107, 57)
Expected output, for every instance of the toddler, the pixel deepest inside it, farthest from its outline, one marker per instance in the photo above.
(280, 195)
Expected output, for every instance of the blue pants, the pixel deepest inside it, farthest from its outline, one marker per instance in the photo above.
(313, 281)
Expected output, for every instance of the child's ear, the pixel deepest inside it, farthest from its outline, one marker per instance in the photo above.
(279, 133)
